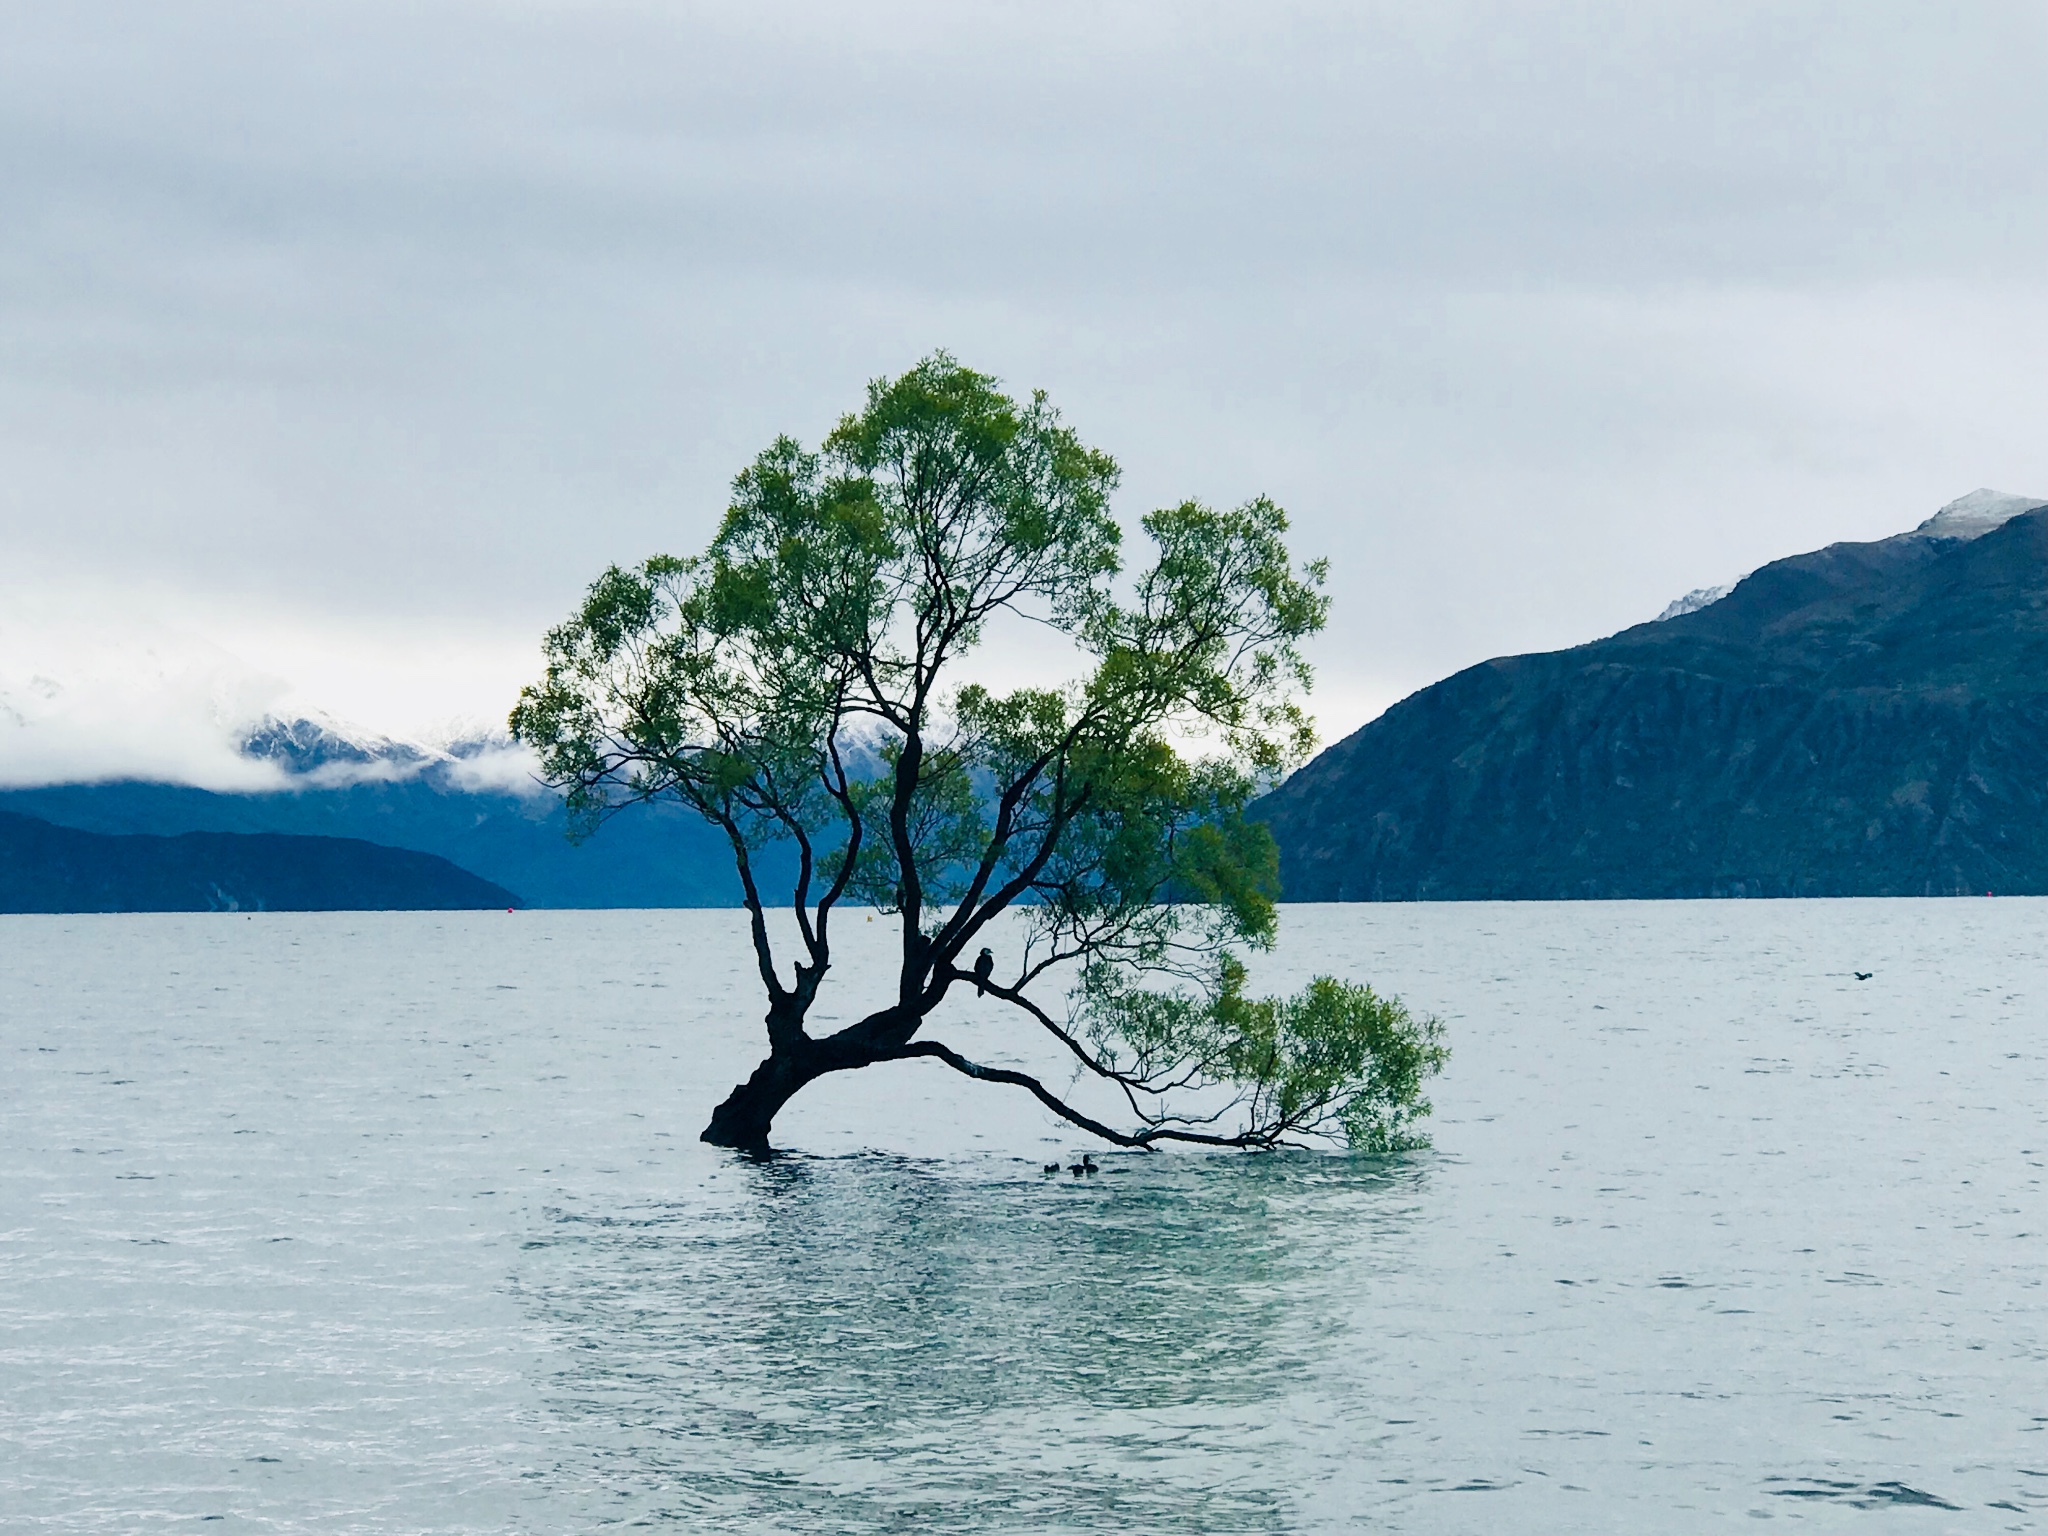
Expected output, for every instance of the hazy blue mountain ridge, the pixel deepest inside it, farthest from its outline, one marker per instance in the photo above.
(400, 795)
(48, 868)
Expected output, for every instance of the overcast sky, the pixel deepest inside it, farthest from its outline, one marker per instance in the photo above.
(342, 343)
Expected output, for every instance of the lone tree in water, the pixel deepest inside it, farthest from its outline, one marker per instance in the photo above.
(801, 682)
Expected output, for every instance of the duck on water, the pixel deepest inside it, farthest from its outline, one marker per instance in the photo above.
(1086, 1165)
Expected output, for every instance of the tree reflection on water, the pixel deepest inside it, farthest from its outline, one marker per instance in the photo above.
(869, 1344)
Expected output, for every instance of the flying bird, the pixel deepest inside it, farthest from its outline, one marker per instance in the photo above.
(984, 963)
(1863, 975)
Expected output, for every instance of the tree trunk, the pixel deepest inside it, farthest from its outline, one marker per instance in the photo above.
(742, 1121)
(794, 1059)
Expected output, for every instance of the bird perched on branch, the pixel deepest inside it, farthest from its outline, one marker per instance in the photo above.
(984, 963)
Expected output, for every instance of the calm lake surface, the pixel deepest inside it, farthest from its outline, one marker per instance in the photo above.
(398, 1223)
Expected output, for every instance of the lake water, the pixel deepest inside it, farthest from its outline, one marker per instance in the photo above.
(398, 1223)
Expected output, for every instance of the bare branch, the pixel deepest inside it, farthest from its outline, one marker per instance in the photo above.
(1044, 1095)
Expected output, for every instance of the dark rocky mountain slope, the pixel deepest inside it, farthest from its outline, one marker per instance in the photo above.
(1867, 720)
(46, 868)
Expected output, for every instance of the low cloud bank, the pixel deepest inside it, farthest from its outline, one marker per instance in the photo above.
(90, 694)
(138, 705)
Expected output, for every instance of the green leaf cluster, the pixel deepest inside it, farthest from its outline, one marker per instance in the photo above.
(1335, 1059)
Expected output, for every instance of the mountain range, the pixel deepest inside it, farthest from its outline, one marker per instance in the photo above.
(1865, 720)
(470, 804)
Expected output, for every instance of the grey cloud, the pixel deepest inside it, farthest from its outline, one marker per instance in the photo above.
(1189, 141)
(1534, 316)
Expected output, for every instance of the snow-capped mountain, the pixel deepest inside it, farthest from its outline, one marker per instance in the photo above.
(316, 750)
(1693, 601)
(322, 745)
(1967, 517)
(1867, 719)
(1974, 515)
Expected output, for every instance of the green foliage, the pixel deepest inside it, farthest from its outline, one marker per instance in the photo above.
(1334, 1059)
(799, 681)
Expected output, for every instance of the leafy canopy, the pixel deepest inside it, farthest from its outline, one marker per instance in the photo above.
(800, 682)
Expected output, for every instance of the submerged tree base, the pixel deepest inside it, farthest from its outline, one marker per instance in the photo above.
(742, 1121)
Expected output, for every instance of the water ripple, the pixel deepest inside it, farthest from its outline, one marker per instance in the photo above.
(867, 1342)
